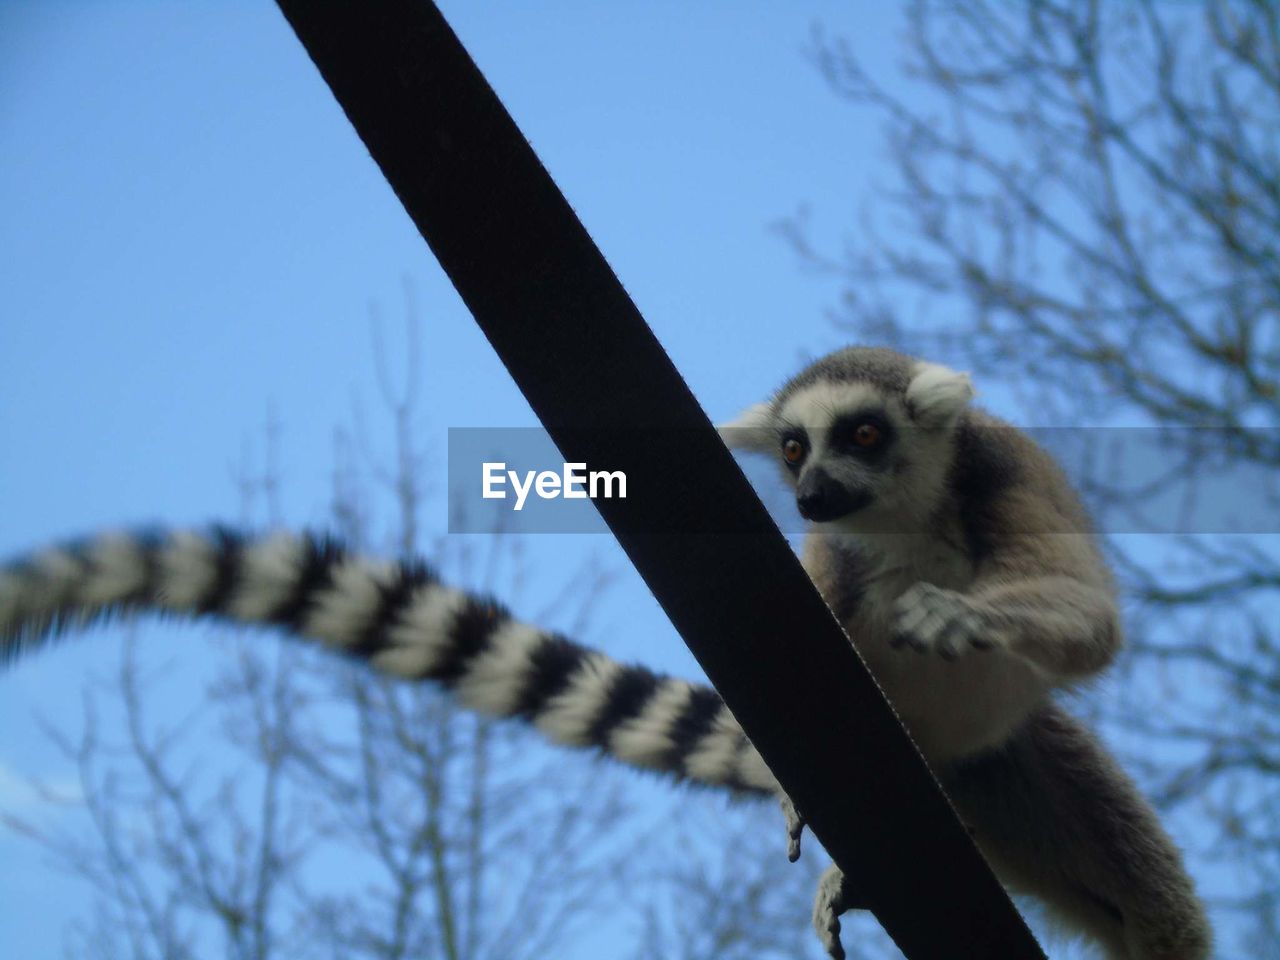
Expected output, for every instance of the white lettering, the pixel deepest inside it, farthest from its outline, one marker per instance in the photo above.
(548, 485)
(608, 478)
(522, 492)
(574, 483)
(574, 477)
(493, 478)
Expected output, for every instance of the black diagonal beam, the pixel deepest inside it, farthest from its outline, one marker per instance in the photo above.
(602, 385)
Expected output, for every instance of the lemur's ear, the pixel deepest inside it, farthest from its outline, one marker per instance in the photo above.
(937, 394)
(753, 430)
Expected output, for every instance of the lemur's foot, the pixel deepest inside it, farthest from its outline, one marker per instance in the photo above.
(795, 827)
(929, 618)
(831, 900)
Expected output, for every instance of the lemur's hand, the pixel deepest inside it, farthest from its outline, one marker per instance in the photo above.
(795, 827)
(929, 618)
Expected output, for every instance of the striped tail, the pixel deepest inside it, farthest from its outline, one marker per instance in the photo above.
(398, 617)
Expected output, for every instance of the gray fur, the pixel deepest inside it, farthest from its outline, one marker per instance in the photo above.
(968, 578)
(886, 369)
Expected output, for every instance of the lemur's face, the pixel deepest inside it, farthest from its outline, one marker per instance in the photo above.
(840, 445)
(860, 454)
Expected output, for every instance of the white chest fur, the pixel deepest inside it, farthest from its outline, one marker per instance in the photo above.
(953, 708)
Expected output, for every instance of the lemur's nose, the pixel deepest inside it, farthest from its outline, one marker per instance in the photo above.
(810, 503)
(820, 498)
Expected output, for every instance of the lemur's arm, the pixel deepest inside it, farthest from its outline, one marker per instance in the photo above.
(1041, 592)
(1066, 628)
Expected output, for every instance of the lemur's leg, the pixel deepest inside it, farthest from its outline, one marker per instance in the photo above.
(1060, 820)
(832, 899)
(836, 894)
(1064, 627)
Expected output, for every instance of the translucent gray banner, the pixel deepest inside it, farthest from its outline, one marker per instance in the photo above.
(1132, 480)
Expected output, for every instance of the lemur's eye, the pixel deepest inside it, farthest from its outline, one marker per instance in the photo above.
(792, 450)
(867, 435)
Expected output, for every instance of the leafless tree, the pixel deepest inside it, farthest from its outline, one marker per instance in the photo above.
(1085, 206)
(305, 807)
(720, 889)
(300, 806)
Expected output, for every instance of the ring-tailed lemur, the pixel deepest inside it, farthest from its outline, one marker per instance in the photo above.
(962, 566)
(950, 547)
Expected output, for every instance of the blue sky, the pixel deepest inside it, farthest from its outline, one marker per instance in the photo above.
(192, 236)
(192, 232)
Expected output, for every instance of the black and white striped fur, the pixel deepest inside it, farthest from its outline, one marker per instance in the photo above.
(398, 617)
